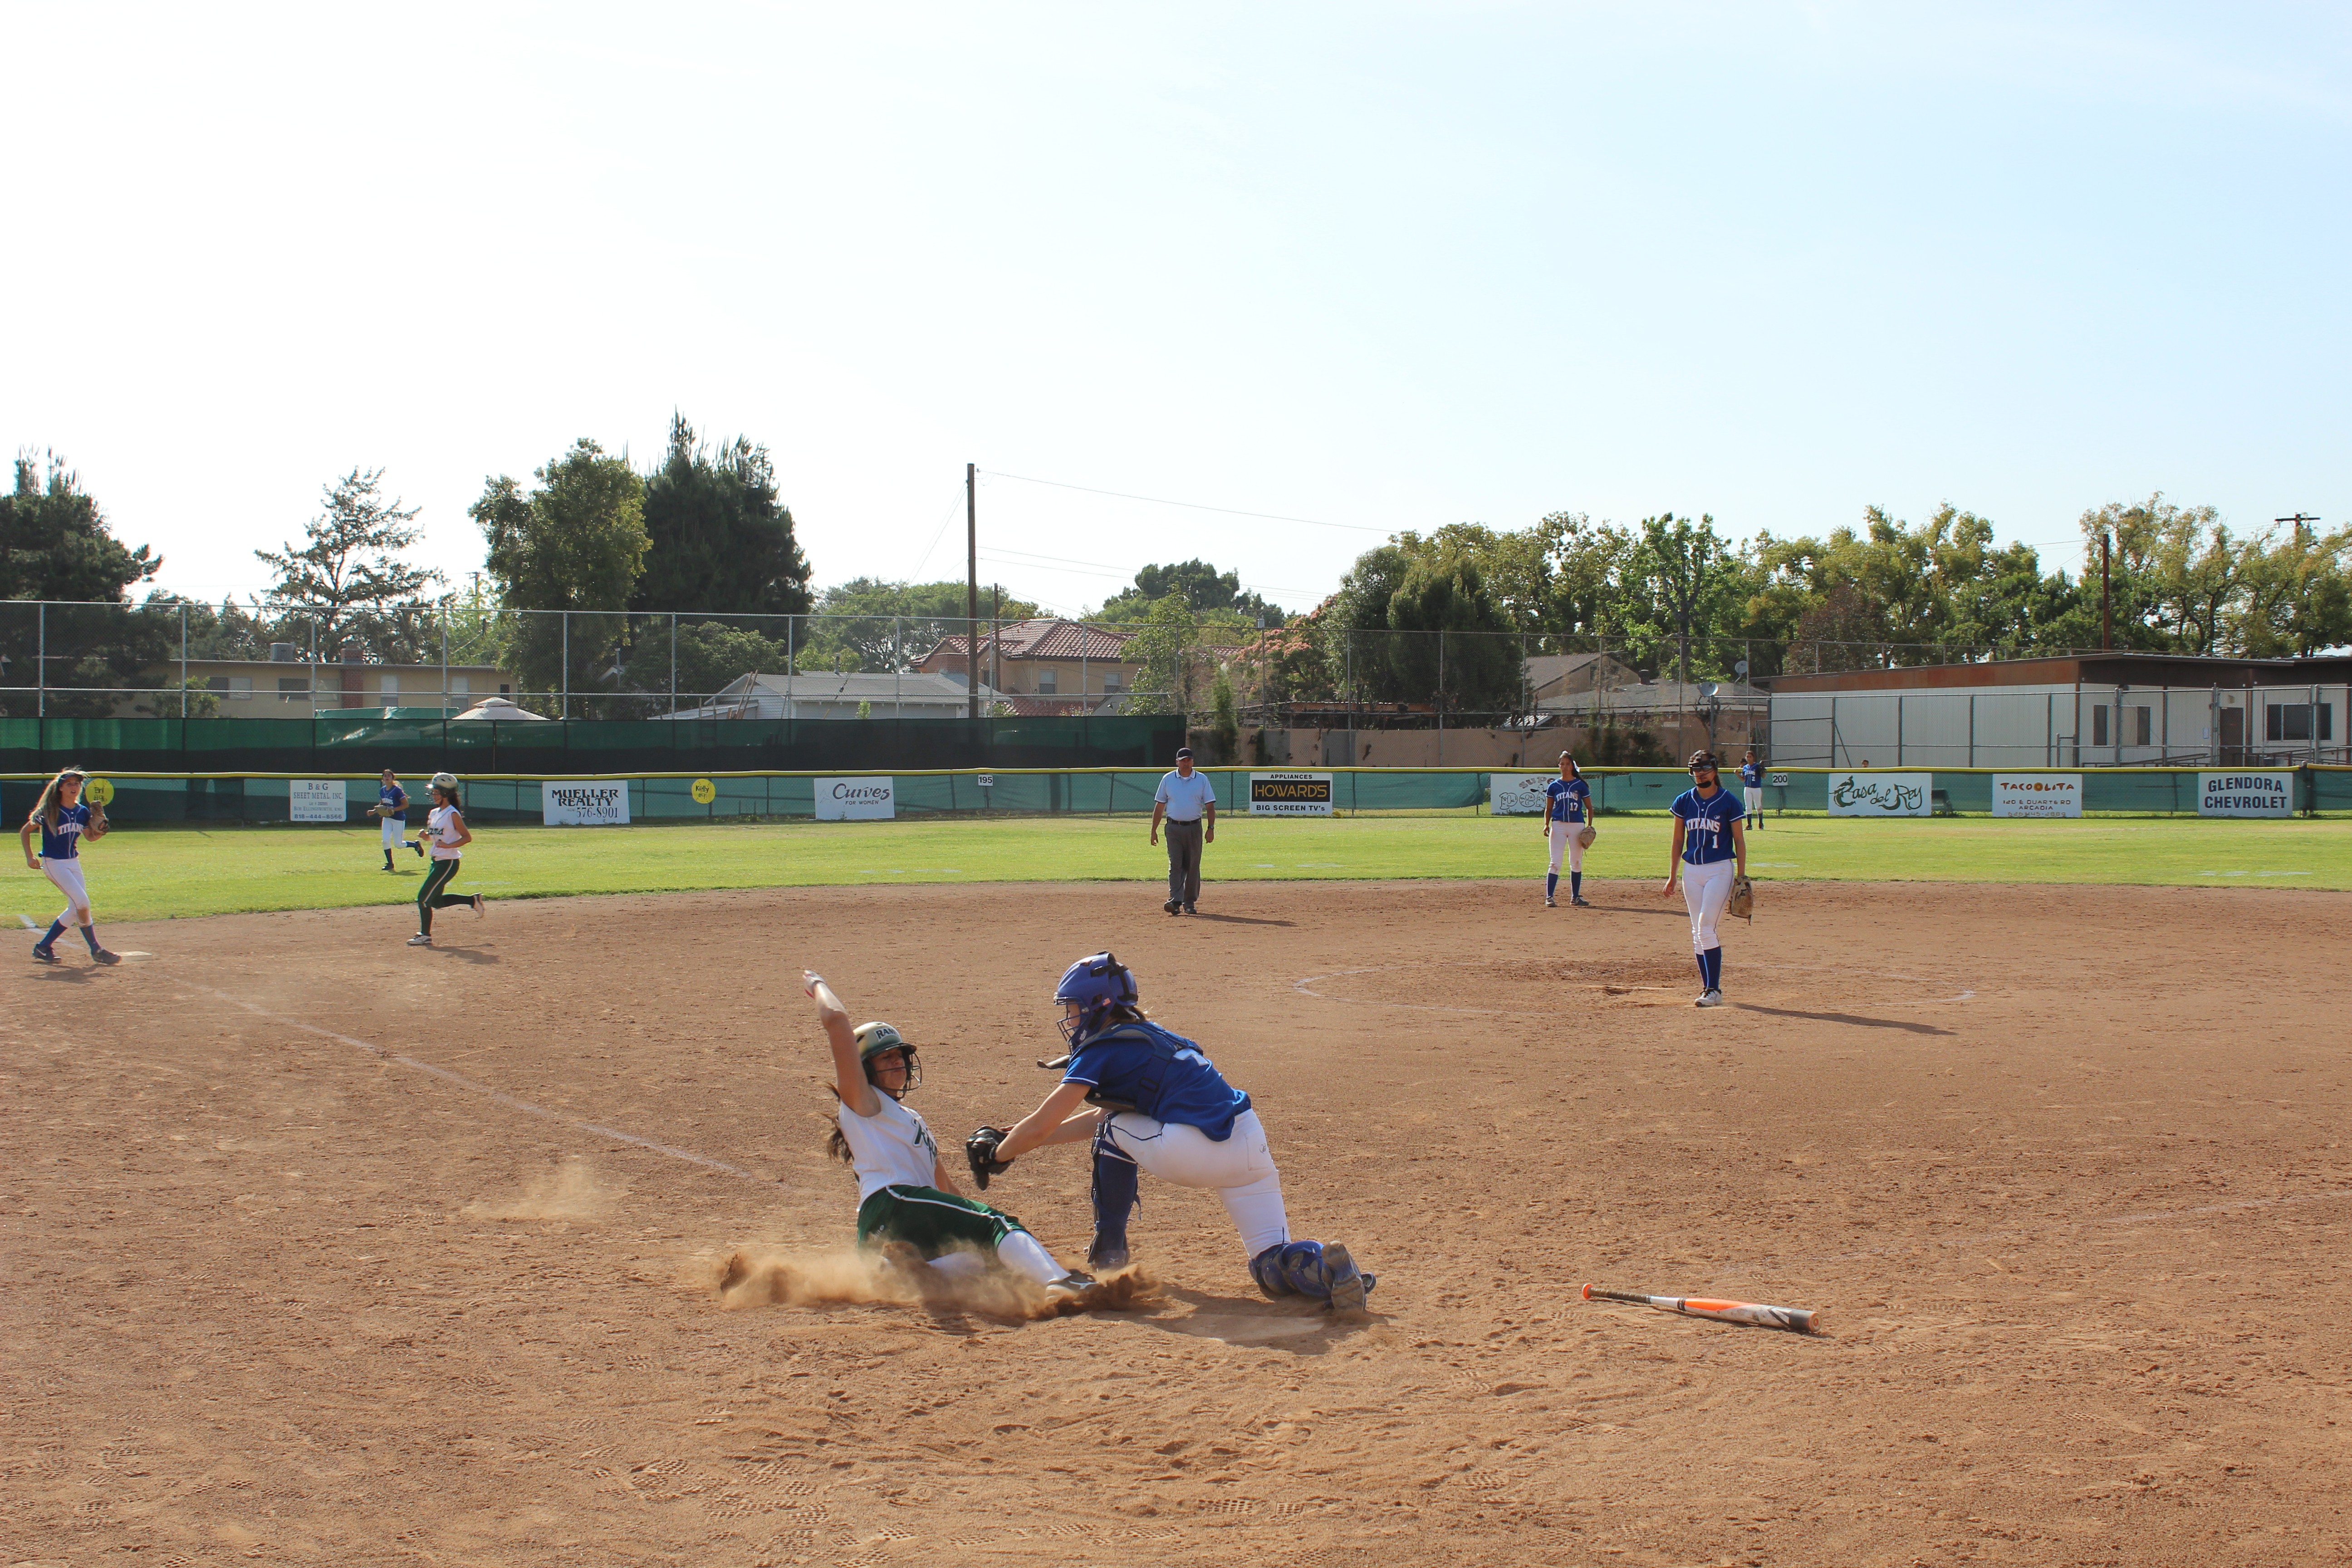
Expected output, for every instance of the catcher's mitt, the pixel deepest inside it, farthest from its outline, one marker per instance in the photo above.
(1743, 899)
(979, 1152)
(1586, 834)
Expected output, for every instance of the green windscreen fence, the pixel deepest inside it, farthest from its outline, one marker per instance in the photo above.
(670, 796)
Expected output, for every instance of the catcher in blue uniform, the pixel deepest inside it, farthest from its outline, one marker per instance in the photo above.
(1160, 1105)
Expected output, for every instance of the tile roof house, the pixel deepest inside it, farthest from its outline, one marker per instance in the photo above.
(824, 694)
(1044, 666)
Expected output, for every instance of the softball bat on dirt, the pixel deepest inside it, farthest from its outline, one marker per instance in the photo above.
(1798, 1320)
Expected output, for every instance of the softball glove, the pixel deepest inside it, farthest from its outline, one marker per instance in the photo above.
(980, 1153)
(1586, 834)
(1743, 899)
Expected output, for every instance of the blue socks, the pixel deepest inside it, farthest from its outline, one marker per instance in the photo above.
(1710, 969)
(90, 935)
(1576, 884)
(57, 930)
(1114, 1184)
(1551, 883)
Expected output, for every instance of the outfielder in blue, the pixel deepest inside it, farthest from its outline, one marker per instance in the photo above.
(1710, 849)
(1751, 787)
(1568, 812)
(1162, 1106)
(392, 806)
(64, 820)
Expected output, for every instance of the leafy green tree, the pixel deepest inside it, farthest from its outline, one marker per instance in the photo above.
(710, 655)
(2176, 575)
(1163, 645)
(575, 542)
(1201, 584)
(722, 542)
(1456, 648)
(55, 544)
(347, 572)
(1681, 580)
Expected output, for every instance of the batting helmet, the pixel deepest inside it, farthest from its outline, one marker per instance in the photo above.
(1701, 759)
(1096, 983)
(444, 781)
(878, 1038)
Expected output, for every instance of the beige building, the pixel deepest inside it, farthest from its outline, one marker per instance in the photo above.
(289, 689)
(1043, 665)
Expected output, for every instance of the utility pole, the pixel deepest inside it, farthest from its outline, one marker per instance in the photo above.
(2107, 602)
(2299, 518)
(972, 590)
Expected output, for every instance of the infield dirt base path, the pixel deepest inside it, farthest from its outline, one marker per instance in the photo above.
(2062, 1168)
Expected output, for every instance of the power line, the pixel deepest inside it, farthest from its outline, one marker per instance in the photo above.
(1191, 506)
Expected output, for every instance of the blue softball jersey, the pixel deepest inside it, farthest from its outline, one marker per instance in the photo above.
(1161, 1075)
(1570, 800)
(393, 797)
(1706, 826)
(1752, 774)
(62, 842)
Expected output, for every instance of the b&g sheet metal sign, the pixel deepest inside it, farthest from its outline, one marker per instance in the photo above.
(1882, 794)
(315, 800)
(2250, 792)
(1290, 794)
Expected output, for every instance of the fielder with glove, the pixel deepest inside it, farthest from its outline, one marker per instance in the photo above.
(1160, 1105)
(1710, 855)
(391, 806)
(1567, 824)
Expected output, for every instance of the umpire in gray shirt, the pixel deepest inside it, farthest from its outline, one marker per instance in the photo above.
(1187, 802)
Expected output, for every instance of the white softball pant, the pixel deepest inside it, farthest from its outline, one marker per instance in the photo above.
(1706, 890)
(393, 828)
(1563, 838)
(66, 875)
(1751, 801)
(1240, 1170)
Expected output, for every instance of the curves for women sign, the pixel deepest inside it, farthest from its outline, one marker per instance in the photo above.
(1882, 794)
(856, 800)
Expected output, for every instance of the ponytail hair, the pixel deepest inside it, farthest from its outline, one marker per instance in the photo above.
(46, 807)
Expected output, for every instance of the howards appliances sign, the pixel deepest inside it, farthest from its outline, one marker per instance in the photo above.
(856, 800)
(1881, 794)
(2037, 794)
(2268, 793)
(1290, 794)
(564, 803)
(1516, 794)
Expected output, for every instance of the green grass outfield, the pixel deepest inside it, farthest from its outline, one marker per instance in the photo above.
(143, 873)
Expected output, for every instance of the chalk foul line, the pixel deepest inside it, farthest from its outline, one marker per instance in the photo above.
(511, 1102)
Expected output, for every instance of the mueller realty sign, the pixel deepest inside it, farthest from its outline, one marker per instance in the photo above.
(565, 803)
(856, 800)
(2251, 793)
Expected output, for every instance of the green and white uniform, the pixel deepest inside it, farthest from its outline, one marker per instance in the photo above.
(895, 1157)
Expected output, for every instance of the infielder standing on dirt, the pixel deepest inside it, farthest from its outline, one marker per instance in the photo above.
(1187, 802)
(445, 825)
(908, 1205)
(1710, 848)
(391, 806)
(1162, 1106)
(64, 821)
(1568, 817)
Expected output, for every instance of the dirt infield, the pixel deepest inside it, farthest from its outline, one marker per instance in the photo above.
(321, 1249)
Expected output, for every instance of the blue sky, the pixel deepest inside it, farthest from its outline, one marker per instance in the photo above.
(1385, 267)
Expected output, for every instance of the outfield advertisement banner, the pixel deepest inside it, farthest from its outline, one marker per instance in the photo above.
(1516, 794)
(565, 803)
(2264, 792)
(2037, 794)
(315, 800)
(1290, 794)
(1882, 794)
(856, 800)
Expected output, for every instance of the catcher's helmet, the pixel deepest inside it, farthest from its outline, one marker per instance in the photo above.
(1096, 983)
(1701, 759)
(878, 1039)
(444, 781)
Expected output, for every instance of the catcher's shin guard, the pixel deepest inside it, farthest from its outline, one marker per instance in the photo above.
(1115, 1180)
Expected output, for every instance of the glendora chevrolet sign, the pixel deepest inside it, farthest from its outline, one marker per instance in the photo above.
(2253, 792)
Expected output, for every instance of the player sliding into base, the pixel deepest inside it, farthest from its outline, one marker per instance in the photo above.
(1710, 852)
(1162, 1106)
(908, 1208)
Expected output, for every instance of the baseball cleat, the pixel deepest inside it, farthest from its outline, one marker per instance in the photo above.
(1172, 906)
(1550, 902)
(104, 955)
(43, 955)
(420, 940)
(1106, 1256)
(1080, 1289)
(1710, 998)
(1349, 1287)
(417, 845)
